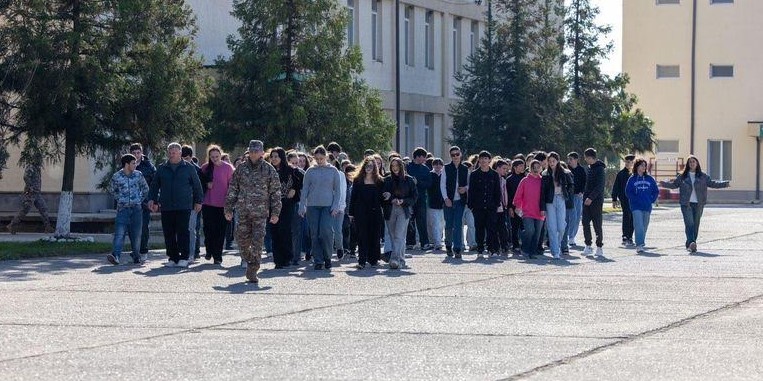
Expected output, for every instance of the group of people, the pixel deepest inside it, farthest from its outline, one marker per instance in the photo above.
(302, 206)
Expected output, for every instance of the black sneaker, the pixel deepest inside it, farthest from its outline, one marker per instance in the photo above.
(386, 256)
(308, 256)
(448, 251)
(340, 253)
(457, 253)
(218, 261)
(327, 266)
(112, 259)
(318, 266)
(207, 256)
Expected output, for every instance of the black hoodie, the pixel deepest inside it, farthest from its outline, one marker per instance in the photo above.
(594, 183)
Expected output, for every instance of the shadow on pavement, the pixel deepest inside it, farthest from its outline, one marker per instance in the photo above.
(706, 255)
(23, 270)
(242, 288)
(649, 254)
(379, 271)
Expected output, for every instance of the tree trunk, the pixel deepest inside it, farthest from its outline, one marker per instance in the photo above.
(63, 222)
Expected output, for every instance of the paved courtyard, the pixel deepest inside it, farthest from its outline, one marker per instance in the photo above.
(662, 315)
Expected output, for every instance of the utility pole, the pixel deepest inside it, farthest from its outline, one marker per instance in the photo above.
(397, 75)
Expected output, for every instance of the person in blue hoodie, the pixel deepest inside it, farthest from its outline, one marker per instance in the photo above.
(641, 191)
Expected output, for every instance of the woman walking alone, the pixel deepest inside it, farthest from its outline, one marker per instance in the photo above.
(216, 175)
(557, 193)
(365, 211)
(692, 185)
(527, 202)
(641, 191)
(399, 196)
(291, 187)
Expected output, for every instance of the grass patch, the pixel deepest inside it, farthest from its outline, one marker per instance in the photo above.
(41, 249)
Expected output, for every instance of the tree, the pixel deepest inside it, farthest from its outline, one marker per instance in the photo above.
(291, 80)
(89, 76)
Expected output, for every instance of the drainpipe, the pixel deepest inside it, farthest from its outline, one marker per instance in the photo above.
(693, 74)
(757, 170)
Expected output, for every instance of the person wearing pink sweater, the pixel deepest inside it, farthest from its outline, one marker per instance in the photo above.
(527, 204)
(216, 176)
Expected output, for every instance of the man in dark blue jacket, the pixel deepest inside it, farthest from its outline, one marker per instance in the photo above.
(484, 198)
(620, 199)
(420, 173)
(148, 170)
(176, 189)
(593, 203)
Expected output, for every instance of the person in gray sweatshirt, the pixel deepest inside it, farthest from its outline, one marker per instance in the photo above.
(320, 201)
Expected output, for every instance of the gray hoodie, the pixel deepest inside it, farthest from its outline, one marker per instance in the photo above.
(321, 187)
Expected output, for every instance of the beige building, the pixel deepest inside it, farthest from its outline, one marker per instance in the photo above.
(696, 67)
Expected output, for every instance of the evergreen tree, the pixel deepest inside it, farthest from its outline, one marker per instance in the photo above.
(89, 76)
(292, 81)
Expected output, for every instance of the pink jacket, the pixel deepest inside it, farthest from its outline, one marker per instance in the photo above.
(528, 197)
(220, 181)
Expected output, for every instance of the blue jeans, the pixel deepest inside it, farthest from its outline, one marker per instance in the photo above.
(397, 225)
(337, 227)
(574, 221)
(194, 226)
(434, 226)
(321, 233)
(565, 238)
(296, 235)
(129, 221)
(471, 236)
(531, 235)
(640, 225)
(454, 226)
(556, 222)
(692, 215)
(268, 240)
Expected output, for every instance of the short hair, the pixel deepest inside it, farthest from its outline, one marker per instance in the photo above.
(486, 154)
(500, 163)
(454, 148)
(319, 150)
(418, 152)
(437, 161)
(393, 155)
(186, 151)
(540, 156)
(517, 163)
(429, 161)
(573, 155)
(334, 147)
(350, 168)
(174, 145)
(127, 158)
(629, 157)
(136, 146)
(532, 163)
(292, 154)
(520, 156)
(368, 152)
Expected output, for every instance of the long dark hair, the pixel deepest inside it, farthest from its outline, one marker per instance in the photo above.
(359, 176)
(685, 174)
(211, 166)
(401, 165)
(283, 166)
(559, 170)
(637, 164)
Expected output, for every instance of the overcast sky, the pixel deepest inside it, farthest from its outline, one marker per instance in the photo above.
(612, 14)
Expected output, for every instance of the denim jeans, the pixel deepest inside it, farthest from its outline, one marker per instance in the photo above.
(454, 226)
(640, 225)
(194, 225)
(336, 225)
(556, 222)
(129, 221)
(570, 214)
(531, 235)
(435, 221)
(692, 215)
(397, 225)
(471, 236)
(321, 233)
(574, 221)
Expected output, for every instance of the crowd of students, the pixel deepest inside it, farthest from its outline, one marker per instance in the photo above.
(310, 207)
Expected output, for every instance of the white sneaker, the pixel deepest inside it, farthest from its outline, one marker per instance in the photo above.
(406, 255)
(182, 263)
(170, 263)
(244, 264)
(588, 251)
(144, 258)
(639, 249)
(480, 256)
(599, 252)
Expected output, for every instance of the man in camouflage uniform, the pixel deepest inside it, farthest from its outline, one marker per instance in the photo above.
(255, 194)
(32, 196)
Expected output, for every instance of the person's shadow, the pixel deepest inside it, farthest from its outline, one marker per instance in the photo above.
(242, 288)
(705, 255)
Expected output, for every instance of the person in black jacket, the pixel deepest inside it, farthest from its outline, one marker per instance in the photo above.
(365, 211)
(291, 188)
(148, 170)
(195, 223)
(399, 195)
(619, 198)
(512, 183)
(503, 227)
(593, 203)
(419, 171)
(484, 198)
(556, 196)
(574, 214)
(176, 189)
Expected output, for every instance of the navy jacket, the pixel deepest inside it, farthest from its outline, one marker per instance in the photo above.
(176, 189)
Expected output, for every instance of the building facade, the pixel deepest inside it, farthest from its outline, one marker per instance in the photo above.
(695, 66)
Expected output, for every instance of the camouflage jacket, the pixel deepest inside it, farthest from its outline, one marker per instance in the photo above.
(128, 190)
(32, 179)
(254, 190)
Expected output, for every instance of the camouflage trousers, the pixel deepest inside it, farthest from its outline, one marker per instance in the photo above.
(250, 235)
(27, 201)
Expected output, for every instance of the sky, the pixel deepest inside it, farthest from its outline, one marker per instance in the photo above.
(611, 12)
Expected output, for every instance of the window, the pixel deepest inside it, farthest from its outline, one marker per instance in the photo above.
(429, 39)
(376, 30)
(456, 44)
(408, 138)
(666, 2)
(408, 34)
(473, 37)
(667, 146)
(721, 1)
(722, 71)
(428, 131)
(668, 71)
(719, 159)
(351, 23)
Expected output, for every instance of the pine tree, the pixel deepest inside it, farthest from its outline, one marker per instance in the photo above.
(292, 81)
(88, 76)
